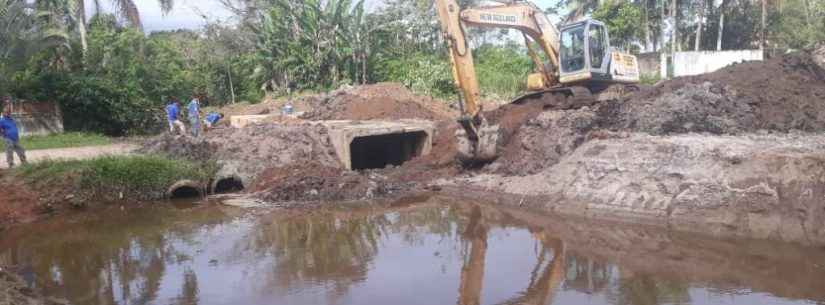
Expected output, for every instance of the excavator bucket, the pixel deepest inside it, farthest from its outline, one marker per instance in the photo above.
(481, 148)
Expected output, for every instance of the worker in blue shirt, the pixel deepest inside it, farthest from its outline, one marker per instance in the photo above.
(12, 138)
(211, 119)
(194, 109)
(173, 116)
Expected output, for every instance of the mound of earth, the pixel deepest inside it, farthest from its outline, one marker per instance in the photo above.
(780, 94)
(383, 101)
(247, 152)
(314, 182)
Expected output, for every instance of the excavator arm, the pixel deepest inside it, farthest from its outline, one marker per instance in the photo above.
(476, 141)
(580, 62)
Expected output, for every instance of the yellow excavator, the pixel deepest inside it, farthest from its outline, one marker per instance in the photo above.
(581, 67)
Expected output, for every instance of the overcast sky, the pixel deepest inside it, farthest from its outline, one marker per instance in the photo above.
(188, 13)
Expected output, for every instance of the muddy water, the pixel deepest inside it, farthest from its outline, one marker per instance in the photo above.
(427, 253)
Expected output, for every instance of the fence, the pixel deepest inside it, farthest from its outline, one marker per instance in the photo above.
(701, 62)
(36, 118)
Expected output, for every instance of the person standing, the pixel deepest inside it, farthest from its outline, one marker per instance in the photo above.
(194, 109)
(9, 128)
(173, 115)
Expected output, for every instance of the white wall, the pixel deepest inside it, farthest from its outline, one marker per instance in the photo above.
(694, 63)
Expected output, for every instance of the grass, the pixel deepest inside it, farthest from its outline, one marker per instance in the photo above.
(137, 177)
(64, 140)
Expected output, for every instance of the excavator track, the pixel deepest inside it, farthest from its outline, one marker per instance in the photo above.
(561, 98)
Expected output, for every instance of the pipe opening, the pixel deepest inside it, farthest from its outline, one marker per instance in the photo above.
(378, 151)
(185, 191)
(228, 185)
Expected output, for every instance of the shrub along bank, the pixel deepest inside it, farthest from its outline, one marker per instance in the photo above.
(131, 178)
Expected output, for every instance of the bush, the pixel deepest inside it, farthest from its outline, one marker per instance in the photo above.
(136, 177)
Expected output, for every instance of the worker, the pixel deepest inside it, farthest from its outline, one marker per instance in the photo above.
(173, 115)
(12, 138)
(211, 119)
(194, 109)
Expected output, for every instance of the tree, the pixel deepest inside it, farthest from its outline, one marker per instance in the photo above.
(722, 8)
(624, 21)
(701, 20)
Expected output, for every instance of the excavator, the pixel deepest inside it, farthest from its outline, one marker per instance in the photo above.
(580, 69)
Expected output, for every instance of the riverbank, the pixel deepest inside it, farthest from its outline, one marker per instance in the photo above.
(50, 186)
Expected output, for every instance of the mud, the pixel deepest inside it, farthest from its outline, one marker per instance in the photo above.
(780, 94)
(248, 152)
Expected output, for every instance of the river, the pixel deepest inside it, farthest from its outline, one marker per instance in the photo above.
(436, 251)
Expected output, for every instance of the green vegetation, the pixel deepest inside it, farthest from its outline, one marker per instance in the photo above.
(650, 79)
(64, 140)
(136, 177)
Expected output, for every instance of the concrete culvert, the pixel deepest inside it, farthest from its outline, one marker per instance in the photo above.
(226, 185)
(378, 151)
(184, 189)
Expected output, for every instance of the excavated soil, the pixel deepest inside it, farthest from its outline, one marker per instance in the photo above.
(778, 95)
(383, 101)
(247, 152)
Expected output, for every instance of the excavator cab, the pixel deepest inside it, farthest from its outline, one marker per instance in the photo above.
(585, 56)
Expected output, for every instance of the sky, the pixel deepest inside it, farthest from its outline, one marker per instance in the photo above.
(187, 14)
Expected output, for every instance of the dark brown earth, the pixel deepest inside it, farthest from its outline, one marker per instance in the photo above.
(383, 101)
(782, 94)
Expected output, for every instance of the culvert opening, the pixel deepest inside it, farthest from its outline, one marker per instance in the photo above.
(378, 151)
(185, 192)
(228, 185)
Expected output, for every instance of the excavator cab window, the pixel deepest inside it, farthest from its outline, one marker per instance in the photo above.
(597, 45)
(573, 49)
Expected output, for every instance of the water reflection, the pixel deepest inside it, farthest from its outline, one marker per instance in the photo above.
(423, 254)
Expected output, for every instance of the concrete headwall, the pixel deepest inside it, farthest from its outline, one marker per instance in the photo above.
(695, 63)
(37, 118)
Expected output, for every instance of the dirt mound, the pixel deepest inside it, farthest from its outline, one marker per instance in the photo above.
(247, 152)
(318, 182)
(780, 94)
(181, 147)
(542, 141)
(383, 101)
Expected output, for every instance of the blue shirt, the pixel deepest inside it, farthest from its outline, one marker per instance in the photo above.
(172, 111)
(194, 109)
(9, 128)
(212, 117)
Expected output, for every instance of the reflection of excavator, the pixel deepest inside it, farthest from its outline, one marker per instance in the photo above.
(580, 63)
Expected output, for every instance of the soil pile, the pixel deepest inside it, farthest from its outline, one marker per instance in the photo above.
(181, 147)
(316, 182)
(780, 94)
(247, 152)
(383, 101)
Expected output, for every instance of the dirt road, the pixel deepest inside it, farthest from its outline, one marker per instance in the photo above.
(73, 153)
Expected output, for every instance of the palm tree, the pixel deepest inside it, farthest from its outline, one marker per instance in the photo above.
(77, 9)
